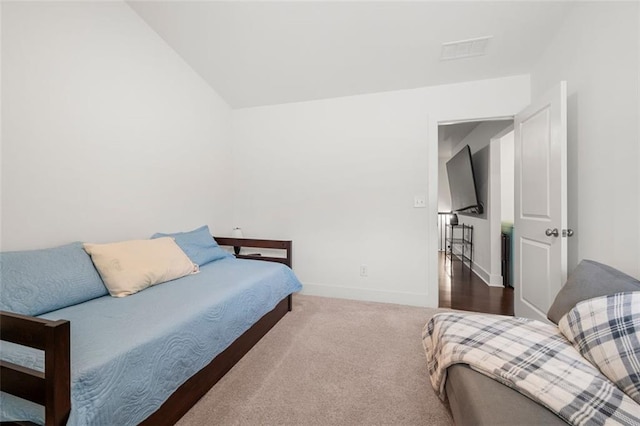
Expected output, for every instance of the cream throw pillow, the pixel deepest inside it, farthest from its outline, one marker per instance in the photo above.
(130, 266)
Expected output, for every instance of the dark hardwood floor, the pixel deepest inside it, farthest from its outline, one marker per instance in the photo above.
(460, 288)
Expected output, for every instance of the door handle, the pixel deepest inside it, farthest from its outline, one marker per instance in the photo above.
(552, 232)
(567, 232)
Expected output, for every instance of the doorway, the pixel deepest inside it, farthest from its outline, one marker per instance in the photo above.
(470, 271)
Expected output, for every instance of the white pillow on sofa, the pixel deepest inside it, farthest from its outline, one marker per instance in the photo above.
(130, 266)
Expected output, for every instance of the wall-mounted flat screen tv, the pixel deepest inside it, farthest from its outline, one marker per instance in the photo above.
(462, 183)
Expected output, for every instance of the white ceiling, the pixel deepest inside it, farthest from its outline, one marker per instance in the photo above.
(260, 53)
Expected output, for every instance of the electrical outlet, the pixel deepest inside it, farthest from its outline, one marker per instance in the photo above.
(364, 271)
(419, 201)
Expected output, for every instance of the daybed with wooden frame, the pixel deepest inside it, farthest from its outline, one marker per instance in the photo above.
(51, 388)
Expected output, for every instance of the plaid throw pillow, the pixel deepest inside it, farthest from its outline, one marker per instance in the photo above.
(606, 331)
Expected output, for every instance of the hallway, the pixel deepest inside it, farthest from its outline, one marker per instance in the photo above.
(460, 288)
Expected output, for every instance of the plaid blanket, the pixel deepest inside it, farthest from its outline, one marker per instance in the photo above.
(530, 357)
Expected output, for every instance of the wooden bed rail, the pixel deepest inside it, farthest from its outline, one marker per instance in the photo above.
(52, 389)
(285, 245)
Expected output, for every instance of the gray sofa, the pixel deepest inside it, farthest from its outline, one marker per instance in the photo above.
(476, 399)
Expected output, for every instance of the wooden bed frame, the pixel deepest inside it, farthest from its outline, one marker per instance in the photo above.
(52, 389)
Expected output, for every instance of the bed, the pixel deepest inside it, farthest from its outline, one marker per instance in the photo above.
(146, 358)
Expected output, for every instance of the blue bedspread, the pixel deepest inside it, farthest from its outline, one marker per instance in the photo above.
(129, 354)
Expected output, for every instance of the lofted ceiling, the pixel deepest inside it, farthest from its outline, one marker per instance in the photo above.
(262, 53)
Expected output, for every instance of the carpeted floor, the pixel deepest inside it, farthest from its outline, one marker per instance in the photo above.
(330, 362)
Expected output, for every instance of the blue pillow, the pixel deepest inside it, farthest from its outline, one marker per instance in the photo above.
(198, 244)
(35, 282)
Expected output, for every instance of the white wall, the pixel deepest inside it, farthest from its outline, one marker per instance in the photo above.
(106, 133)
(597, 52)
(338, 176)
(1, 103)
(444, 193)
(484, 235)
(501, 183)
(507, 178)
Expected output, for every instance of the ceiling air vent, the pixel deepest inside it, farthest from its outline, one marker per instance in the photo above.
(465, 48)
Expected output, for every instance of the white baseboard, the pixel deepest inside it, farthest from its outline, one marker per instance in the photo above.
(484, 275)
(492, 280)
(496, 280)
(369, 295)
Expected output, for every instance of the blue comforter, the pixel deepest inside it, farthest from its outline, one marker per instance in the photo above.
(129, 354)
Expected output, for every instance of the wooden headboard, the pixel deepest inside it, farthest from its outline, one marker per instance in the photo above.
(285, 245)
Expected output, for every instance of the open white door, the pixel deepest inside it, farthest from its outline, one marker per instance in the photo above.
(540, 228)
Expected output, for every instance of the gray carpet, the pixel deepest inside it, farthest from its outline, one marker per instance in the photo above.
(330, 362)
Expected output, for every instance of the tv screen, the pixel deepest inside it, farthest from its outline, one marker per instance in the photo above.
(461, 181)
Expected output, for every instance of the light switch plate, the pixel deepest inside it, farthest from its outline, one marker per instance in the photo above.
(419, 201)
(364, 271)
